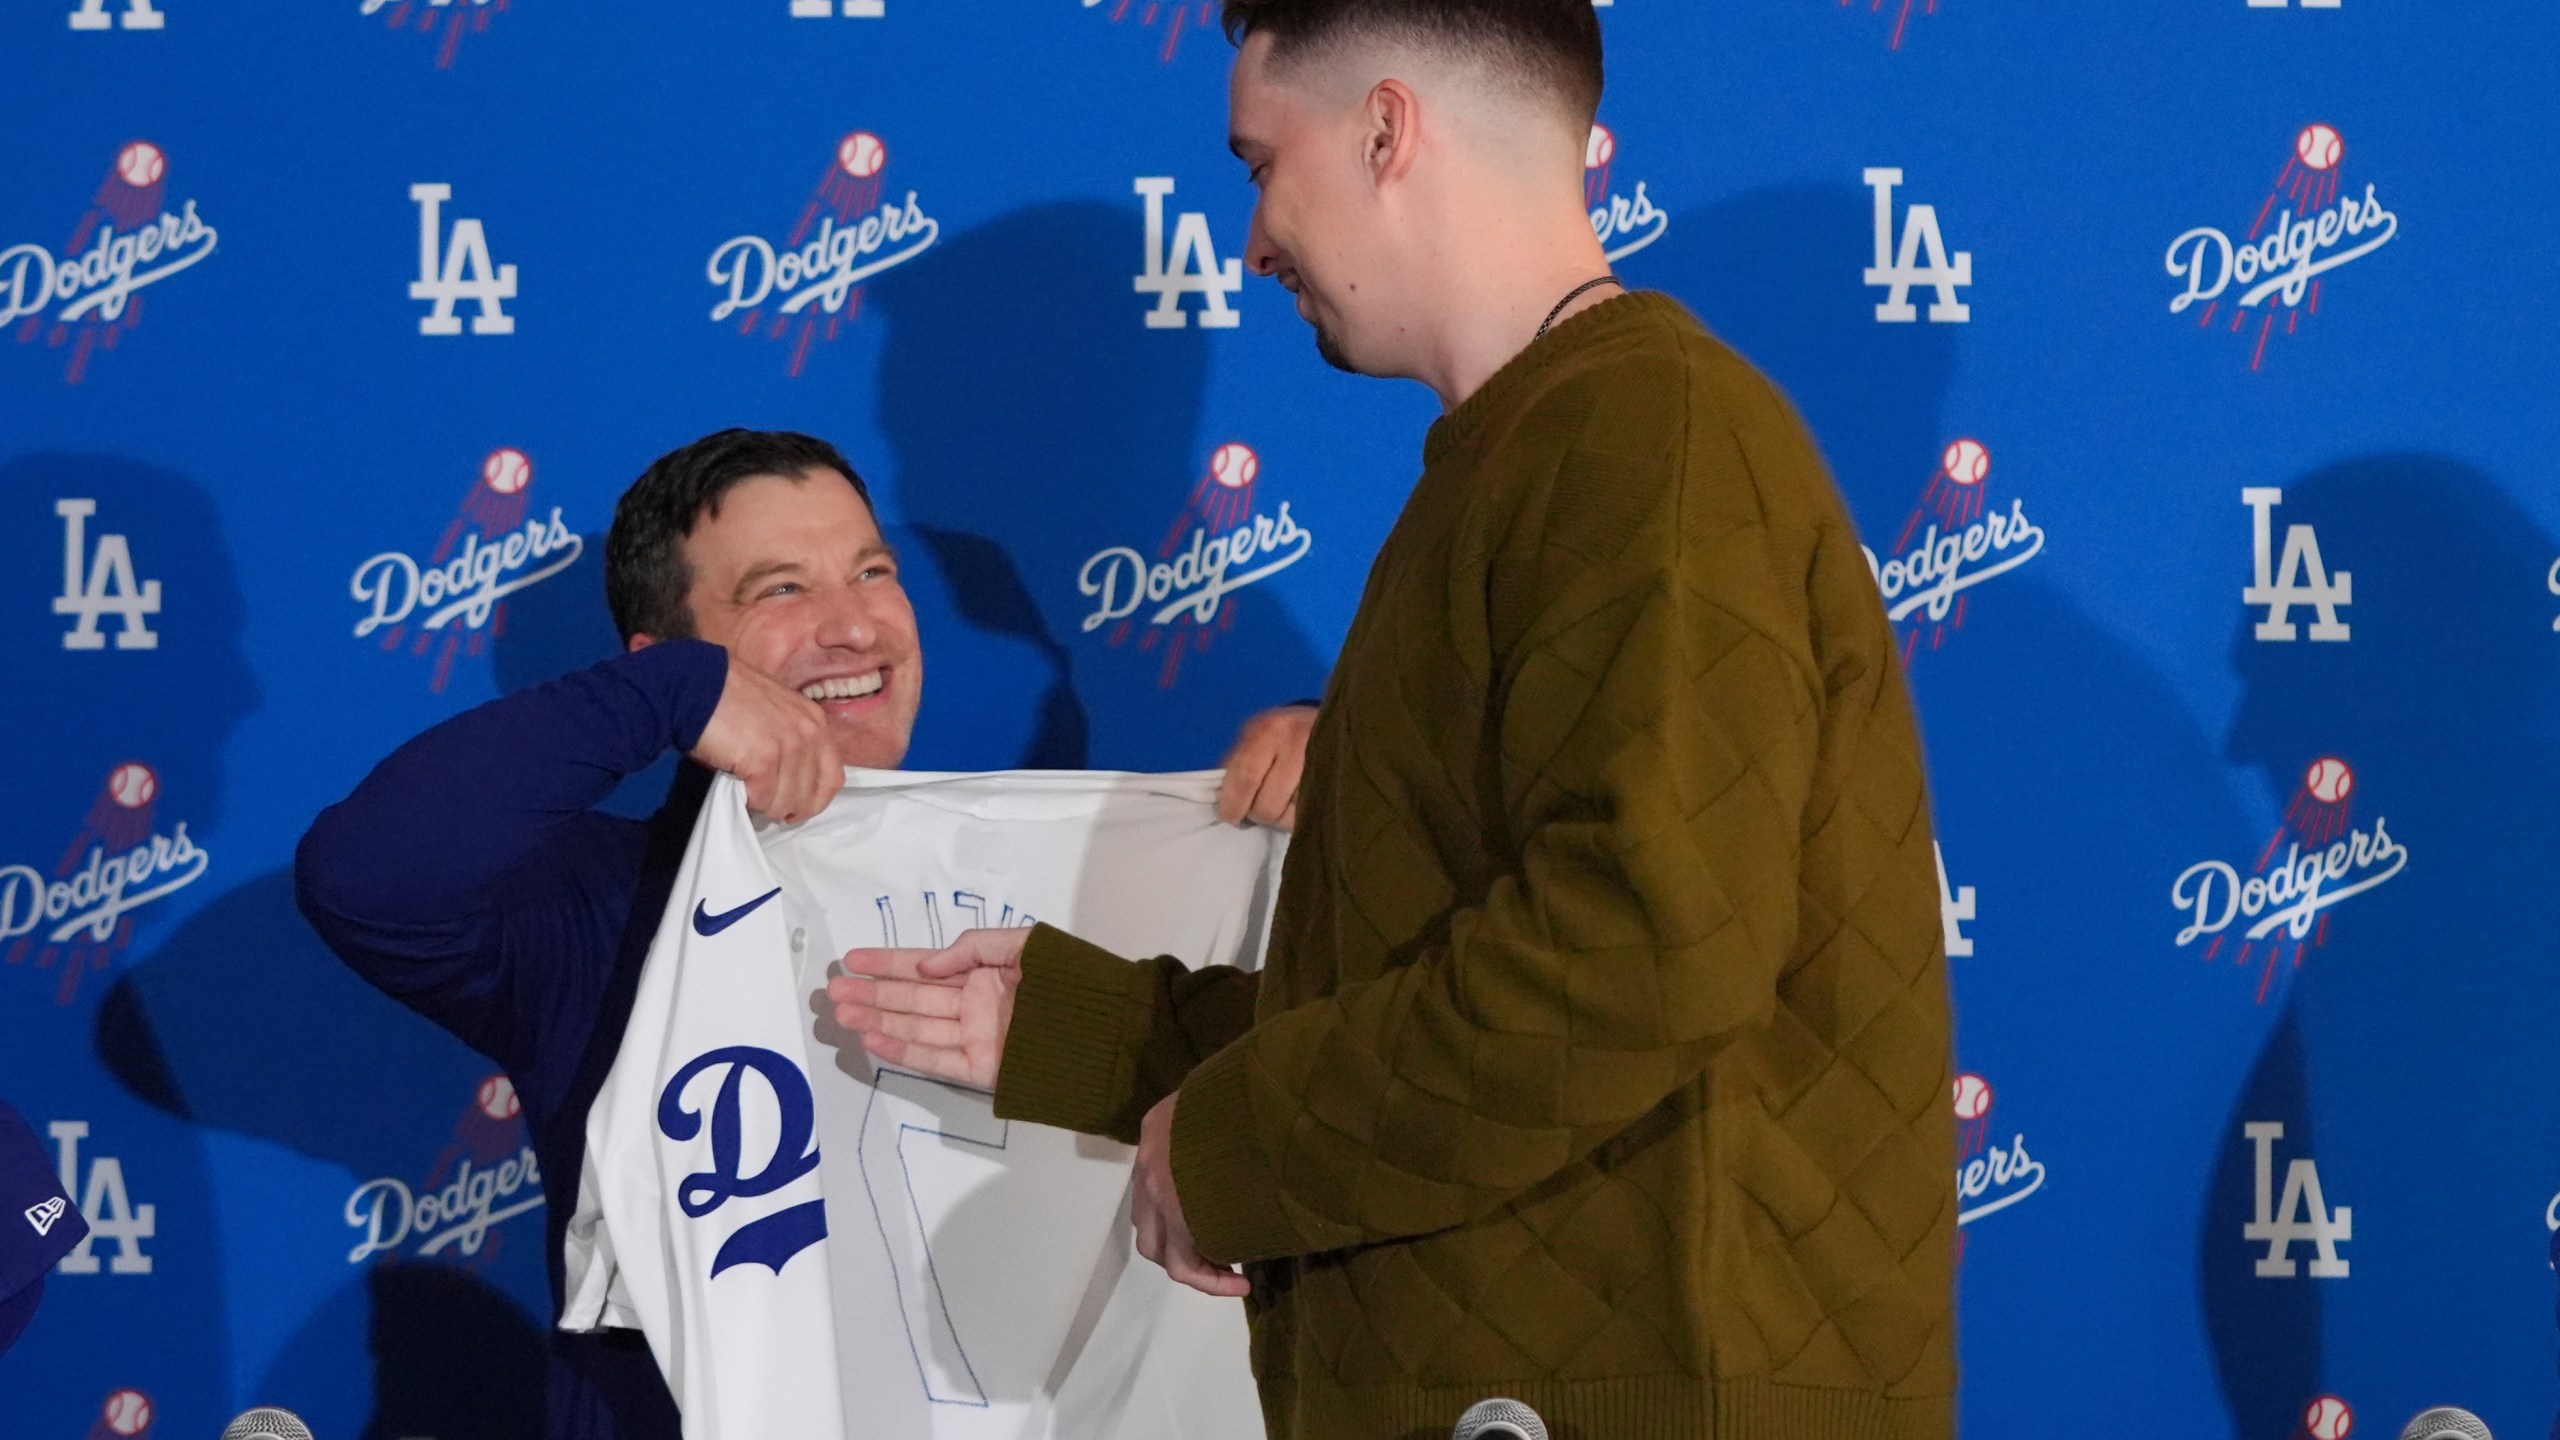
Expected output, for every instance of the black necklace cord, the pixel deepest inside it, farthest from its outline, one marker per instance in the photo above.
(1576, 293)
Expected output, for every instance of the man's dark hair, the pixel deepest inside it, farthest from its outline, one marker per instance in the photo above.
(645, 574)
(1552, 44)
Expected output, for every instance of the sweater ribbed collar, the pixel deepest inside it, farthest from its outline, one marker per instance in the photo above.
(1518, 375)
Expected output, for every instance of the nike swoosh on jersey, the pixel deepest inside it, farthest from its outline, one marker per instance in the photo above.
(706, 923)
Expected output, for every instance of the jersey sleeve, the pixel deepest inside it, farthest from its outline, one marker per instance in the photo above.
(1097, 1040)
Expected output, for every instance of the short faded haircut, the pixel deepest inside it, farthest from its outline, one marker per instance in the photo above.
(1550, 46)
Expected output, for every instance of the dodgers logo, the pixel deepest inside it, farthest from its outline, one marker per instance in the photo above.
(1990, 1176)
(487, 1175)
(773, 1239)
(2284, 902)
(446, 21)
(1954, 540)
(1219, 544)
(812, 280)
(2279, 260)
(457, 595)
(1902, 13)
(120, 861)
(1178, 17)
(127, 241)
(1624, 224)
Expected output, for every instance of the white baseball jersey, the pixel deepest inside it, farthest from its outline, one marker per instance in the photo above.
(817, 1247)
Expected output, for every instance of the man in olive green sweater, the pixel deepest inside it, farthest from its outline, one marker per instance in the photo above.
(1601, 1056)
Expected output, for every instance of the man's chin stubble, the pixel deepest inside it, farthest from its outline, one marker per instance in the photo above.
(1331, 350)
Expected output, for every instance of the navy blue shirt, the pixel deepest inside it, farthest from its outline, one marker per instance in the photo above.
(471, 878)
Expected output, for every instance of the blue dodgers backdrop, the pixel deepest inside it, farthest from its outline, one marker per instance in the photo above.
(2187, 368)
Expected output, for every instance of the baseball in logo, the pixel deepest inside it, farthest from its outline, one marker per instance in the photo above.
(1990, 1176)
(2318, 858)
(486, 1175)
(1625, 224)
(88, 299)
(1954, 540)
(812, 279)
(126, 1415)
(1219, 544)
(1171, 19)
(77, 920)
(452, 602)
(445, 21)
(2327, 1418)
(2309, 224)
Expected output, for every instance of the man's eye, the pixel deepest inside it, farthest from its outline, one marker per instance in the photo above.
(787, 587)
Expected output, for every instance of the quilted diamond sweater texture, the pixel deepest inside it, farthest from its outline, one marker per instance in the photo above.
(1601, 1056)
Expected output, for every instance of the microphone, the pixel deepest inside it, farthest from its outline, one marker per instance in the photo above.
(2445, 1422)
(266, 1422)
(1505, 1420)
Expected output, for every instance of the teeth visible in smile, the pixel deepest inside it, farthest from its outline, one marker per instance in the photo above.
(847, 687)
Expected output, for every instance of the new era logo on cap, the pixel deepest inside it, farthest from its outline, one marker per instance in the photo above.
(43, 1214)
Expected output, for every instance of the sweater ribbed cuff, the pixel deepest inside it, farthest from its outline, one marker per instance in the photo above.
(1070, 1059)
(1229, 1188)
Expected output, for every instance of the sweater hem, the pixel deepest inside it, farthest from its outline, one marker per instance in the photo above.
(1230, 1196)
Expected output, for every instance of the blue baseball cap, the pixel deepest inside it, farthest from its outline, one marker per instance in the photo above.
(38, 1223)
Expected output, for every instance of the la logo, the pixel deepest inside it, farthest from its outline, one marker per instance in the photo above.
(108, 587)
(463, 272)
(1900, 269)
(138, 15)
(2302, 1217)
(107, 1206)
(2301, 578)
(1955, 906)
(1193, 267)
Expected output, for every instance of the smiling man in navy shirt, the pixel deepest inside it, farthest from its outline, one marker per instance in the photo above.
(471, 877)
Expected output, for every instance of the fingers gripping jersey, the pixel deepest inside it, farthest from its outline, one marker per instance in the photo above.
(818, 1247)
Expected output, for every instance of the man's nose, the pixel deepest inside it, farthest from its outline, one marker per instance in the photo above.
(1260, 255)
(847, 621)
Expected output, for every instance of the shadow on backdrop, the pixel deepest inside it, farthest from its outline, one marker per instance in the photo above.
(75, 715)
(1765, 270)
(2425, 1017)
(1037, 421)
(2050, 741)
(243, 1022)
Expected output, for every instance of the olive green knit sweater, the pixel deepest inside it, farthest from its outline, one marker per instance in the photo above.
(1602, 1053)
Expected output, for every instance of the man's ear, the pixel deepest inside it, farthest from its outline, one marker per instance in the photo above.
(1393, 138)
(639, 642)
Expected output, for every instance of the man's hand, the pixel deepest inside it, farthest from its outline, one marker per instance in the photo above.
(1263, 769)
(1163, 1235)
(776, 740)
(942, 1013)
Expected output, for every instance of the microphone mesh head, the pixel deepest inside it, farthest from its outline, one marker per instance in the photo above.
(2445, 1422)
(1499, 1420)
(267, 1423)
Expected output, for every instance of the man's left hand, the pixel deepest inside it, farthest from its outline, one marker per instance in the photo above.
(1156, 1210)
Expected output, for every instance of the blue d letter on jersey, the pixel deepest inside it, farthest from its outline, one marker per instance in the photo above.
(773, 1240)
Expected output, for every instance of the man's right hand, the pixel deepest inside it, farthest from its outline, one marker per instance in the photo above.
(776, 740)
(943, 1013)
